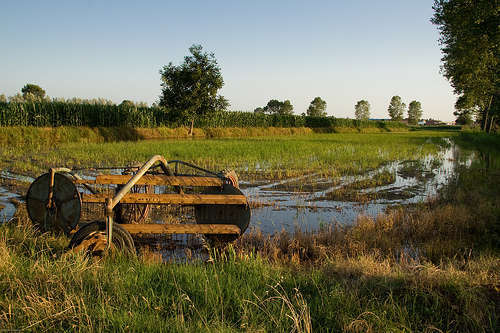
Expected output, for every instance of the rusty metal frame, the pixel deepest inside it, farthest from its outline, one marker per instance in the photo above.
(110, 203)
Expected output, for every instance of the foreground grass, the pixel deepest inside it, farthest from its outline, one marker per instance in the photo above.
(277, 157)
(431, 267)
(42, 288)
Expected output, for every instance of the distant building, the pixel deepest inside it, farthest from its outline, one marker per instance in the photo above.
(433, 122)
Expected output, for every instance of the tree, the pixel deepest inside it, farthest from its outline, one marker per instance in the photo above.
(317, 108)
(362, 110)
(190, 89)
(464, 117)
(32, 91)
(287, 108)
(259, 110)
(414, 112)
(277, 107)
(3, 99)
(470, 39)
(396, 108)
(127, 103)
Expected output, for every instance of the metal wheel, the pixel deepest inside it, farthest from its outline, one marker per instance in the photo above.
(91, 238)
(133, 213)
(223, 214)
(64, 213)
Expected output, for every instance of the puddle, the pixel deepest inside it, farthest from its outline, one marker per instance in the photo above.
(13, 176)
(7, 208)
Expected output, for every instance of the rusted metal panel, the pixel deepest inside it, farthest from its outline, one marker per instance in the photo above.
(223, 214)
(154, 180)
(218, 229)
(174, 199)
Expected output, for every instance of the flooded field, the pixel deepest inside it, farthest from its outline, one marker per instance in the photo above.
(310, 201)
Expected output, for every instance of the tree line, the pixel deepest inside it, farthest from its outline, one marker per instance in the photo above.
(470, 36)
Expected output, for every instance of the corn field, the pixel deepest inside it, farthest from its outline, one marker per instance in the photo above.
(52, 114)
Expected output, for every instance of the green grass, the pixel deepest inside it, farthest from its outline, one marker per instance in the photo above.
(42, 288)
(430, 267)
(275, 156)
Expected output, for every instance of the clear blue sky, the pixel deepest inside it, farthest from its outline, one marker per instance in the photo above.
(342, 51)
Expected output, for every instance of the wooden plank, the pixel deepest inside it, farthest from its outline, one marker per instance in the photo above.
(154, 180)
(174, 199)
(181, 228)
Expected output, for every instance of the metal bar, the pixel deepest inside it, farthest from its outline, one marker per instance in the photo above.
(193, 166)
(77, 180)
(125, 189)
(171, 198)
(155, 180)
(109, 224)
(52, 173)
(218, 229)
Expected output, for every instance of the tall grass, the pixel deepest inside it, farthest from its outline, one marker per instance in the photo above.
(50, 114)
(44, 288)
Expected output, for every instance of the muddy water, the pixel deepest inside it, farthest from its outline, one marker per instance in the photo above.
(309, 202)
(7, 208)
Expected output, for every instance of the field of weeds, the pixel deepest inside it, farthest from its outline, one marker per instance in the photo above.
(430, 266)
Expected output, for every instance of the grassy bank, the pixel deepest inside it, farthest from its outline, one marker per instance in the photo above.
(479, 140)
(35, 137)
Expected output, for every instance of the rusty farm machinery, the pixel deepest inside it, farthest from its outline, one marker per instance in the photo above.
(56, 200)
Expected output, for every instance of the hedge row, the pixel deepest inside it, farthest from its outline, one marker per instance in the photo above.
(52, 114)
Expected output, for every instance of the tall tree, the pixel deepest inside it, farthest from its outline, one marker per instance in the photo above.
(464, 117)
(127, 103)
(277, 107)
(317, 108)
(414, 112)
(470, 39)
(396, 108)
(190, 89)
(32, 91)
(362, 110)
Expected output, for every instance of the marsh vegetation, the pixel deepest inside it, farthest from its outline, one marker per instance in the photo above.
(423, 262)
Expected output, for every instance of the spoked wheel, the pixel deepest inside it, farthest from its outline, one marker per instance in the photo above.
(91, 238)
(133, 213)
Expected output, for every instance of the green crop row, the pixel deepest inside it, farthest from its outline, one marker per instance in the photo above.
(50, 114)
